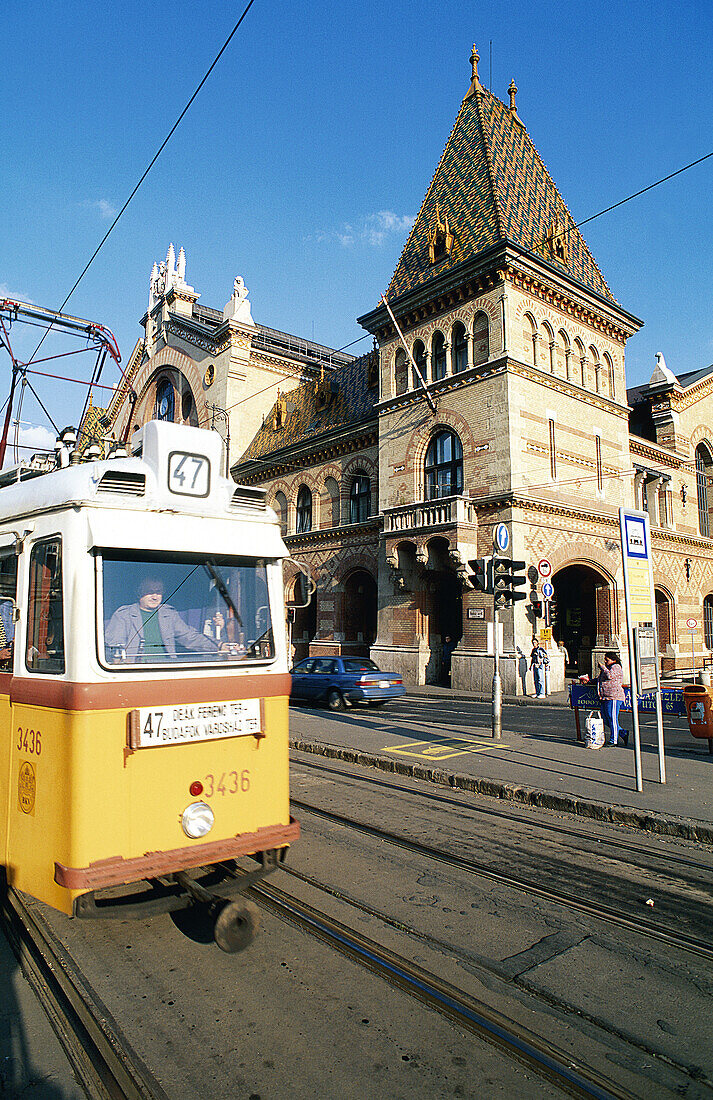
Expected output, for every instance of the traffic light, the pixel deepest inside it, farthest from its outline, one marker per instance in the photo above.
(481, 574)
(537, 608)
(506, 581)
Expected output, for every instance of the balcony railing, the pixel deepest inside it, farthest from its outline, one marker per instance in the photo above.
(441, 512)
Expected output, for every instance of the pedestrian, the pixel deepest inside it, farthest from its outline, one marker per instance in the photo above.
(539, 663)
(448, 647)
(610, 689)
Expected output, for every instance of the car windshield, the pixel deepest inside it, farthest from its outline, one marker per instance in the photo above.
(355, 664)
(171, 609)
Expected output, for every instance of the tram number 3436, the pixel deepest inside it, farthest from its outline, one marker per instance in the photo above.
(29, 741)
(229, 783)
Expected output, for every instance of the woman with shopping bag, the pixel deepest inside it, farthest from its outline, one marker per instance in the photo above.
(610, 689)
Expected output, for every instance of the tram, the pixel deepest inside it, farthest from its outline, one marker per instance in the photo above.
(143, 682)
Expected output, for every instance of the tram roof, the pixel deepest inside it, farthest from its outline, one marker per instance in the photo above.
(140, 483)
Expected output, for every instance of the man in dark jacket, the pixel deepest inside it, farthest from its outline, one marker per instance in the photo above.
(148, 631)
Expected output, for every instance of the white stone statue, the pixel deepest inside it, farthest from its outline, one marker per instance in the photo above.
(238, 308)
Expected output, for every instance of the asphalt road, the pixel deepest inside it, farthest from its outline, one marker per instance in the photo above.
(291, 1017)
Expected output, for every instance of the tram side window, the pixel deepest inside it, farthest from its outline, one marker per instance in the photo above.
(45, 618)
(8, 595)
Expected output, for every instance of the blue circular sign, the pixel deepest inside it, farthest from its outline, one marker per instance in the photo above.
(547, 590)
(501, 538)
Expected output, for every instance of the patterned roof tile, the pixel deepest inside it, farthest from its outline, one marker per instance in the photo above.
(352, 403)
(492, 186)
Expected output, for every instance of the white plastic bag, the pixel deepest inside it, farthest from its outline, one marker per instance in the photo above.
(594, 731)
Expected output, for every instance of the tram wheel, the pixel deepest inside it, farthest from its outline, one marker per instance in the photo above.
(334, 700)
(236, 926)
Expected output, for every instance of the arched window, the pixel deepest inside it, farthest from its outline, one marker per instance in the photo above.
(562, 355)
(611, 378)
(331, 512)
(188, 409)
(582, 365)
(419, 355)
(401, 371)
(481, 339)
(281, 509)
(460, 348)
(708, 622)
(594, 357)
(439, 356)
(443, 470)
(304, 510)
(529, 340)
(165, 401)
(547, 337)
(704, 473)
(359, 499)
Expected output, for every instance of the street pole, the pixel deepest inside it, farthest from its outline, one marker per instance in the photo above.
(497, 722)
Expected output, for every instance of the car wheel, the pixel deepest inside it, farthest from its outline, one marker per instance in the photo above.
(334, 700)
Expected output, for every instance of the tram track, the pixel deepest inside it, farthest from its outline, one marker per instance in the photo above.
(105, 1065)
(515, 1040)
(490, 969)
(596, 843)
(595, 910)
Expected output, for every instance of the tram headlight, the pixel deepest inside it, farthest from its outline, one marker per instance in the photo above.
(197, 820)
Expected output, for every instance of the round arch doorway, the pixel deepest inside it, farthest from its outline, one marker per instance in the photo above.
(581, 615)
(360, 602)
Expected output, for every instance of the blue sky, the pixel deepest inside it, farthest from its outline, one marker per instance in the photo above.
(305, 156)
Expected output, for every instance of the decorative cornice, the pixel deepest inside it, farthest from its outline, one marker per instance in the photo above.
(537, 287)
(305, 539)
(278, 463)
(657, 454)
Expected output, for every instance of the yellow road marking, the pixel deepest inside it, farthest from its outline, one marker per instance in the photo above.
(443, 750)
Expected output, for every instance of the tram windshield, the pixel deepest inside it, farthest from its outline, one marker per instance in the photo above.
(166, 609)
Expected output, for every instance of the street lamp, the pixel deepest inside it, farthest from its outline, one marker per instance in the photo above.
(221, 414)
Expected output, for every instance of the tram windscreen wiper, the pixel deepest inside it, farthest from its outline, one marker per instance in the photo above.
(223, 589)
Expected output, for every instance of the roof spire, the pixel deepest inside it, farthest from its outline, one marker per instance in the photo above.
(474, 59)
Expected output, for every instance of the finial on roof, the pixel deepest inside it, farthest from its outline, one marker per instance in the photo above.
(662, 373)
(474, 59)
(512, 92)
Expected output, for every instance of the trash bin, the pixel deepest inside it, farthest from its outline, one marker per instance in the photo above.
(698, 701)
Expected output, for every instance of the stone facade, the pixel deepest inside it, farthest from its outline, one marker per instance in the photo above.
(496, 393)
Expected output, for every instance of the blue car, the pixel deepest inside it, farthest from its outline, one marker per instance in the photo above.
(337, 681)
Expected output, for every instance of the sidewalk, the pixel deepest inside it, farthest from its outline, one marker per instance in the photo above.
(538, 761)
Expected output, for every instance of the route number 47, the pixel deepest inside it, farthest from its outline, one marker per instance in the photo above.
(188, 474)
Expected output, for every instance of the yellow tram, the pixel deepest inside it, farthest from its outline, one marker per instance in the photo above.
(143, 682)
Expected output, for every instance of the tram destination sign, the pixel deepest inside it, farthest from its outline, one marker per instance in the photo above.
(171, 725)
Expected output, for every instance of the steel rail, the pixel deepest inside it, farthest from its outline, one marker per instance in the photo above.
(603, 912)
(556, 1066)
(98, 1051)
(597, 841)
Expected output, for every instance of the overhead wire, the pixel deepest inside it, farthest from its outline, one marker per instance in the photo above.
(153, 160)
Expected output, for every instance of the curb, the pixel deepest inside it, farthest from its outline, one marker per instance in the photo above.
(475, 697)
(645, 820)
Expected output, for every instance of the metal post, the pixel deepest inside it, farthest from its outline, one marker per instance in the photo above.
(497, 723)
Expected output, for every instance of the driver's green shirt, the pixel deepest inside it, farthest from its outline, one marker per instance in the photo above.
(154, 648)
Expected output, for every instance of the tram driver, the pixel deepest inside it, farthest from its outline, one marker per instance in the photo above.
(149, 630)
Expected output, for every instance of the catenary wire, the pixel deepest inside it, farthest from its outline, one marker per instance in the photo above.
(155, 157)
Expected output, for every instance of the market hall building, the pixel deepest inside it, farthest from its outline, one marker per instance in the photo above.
(389, 479)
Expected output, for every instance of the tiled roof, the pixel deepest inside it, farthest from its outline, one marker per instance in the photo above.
(350, 402)
(492, 186)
